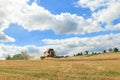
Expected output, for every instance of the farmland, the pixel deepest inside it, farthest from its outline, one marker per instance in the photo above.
(88, 67)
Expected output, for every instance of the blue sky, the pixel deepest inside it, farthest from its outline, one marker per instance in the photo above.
(68, 26)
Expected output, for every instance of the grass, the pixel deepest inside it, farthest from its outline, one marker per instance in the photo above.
(95, 67)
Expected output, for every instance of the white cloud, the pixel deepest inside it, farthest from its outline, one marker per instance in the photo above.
(117, 27)
(7, 16)
(109, 14)
(64, 23)
(12, 49)
(75, 44)
(105, 11)
(5, 38)
(93, 4)
(68, 46)
(34, 17)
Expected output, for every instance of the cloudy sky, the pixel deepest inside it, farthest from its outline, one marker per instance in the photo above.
(68, 26)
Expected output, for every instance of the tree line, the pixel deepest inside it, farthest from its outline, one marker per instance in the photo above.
(104, 51)
(25, 56)
(21, 56)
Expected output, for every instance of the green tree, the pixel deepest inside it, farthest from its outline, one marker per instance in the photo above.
(86, 52)
(116, 49)
(8, 57)
(110, 50)
(78, 54)
(104, 51)
(20, 56)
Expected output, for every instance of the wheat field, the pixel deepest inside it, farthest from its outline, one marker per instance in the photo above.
(93, 67)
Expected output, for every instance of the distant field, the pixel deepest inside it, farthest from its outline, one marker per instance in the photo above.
(92, 67)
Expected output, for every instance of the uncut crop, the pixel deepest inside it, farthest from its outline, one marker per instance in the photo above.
(77, 68)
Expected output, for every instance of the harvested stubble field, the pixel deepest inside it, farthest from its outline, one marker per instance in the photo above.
(92, 67)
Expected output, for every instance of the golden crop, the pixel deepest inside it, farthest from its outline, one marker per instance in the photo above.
(95, 67)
